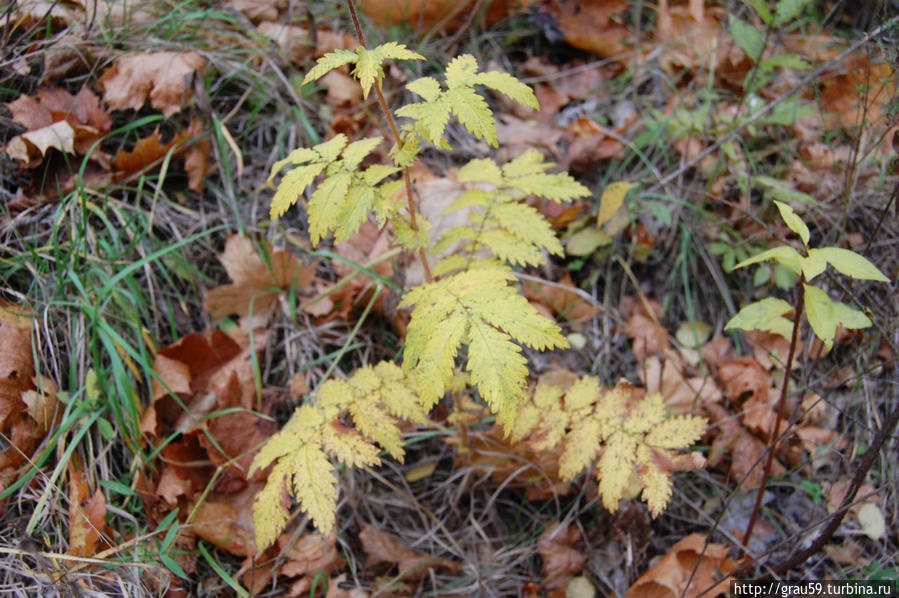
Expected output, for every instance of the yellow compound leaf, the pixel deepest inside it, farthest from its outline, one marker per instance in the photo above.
(315, 485)
(616, 464)
(461, 99)
(581, 446)
(656, 487)
(269, 513)
(350, 447)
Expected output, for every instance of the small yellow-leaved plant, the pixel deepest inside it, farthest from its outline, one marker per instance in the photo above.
(468, 310)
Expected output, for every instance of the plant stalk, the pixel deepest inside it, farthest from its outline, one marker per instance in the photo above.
(774, 435)
(396, 138)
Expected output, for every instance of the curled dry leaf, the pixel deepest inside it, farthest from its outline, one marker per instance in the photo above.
(689, 569)
(382, 548)
(255, 286)
(149, 152)
(56, 119)
(158, 76)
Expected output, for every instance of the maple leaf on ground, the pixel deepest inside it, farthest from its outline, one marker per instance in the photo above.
(256, 285)
(157, 76)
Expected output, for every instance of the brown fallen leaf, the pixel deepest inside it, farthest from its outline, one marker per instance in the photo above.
(259, 11)
(382, 548)
(57, 120)
(561, 561)
(158, 76)
(190, 145)
(87, 513)
(592, 25)
(745, 376)
(423, 15)
(226, 521)
(293, 41)
(561, 301)
(255, 286)
(689, 569)
(643, 327)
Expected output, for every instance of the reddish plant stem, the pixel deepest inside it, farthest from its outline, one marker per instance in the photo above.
(781, 409)
(396, 138)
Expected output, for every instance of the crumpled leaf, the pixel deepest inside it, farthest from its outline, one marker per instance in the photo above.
(382, 548)
(560, 559)
(58, 120)
(677, 574)
(157, 76)
(149, 151)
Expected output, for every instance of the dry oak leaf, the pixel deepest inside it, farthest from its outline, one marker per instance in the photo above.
(255, 286)
(382, 548)
(689, 569)
(151, 150)
(57, 119)
(560, 559)
(159, 76)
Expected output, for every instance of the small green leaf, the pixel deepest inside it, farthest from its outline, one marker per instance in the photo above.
(852, 264)
(747, 37)
(761, 8)
(766, 315)
(785, 255)
(824, 315)
(793, 221)
(814, 264)
(787, 10)
(786, 61)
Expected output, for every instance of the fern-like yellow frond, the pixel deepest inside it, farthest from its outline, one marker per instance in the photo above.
(372, 397)
(634, 440)
(344, 199)
(480, 309)
(369, 69)
(514, 232)
(461, 100)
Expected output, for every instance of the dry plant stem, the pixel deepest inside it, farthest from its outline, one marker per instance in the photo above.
(781, 407)
(861, 470)
(396, 138)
